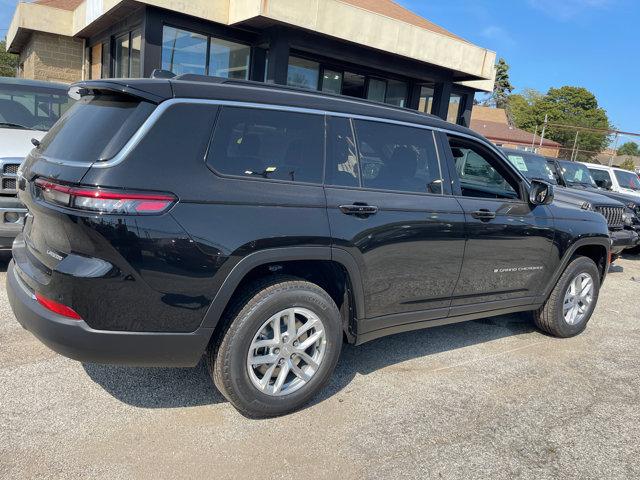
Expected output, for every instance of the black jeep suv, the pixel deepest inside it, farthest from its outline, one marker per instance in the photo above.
(262, 226)
(564, 175)
(574, 175)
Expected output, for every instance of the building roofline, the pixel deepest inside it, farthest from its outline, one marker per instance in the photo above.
(335, 18)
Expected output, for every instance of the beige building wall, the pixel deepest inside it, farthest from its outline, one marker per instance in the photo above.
(51, 57)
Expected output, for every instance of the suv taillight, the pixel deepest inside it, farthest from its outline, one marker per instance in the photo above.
(103, 201)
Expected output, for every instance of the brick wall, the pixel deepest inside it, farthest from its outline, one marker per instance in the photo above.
(52, 57)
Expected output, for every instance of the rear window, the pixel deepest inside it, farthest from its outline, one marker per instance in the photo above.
(95, 128)
(268, 144)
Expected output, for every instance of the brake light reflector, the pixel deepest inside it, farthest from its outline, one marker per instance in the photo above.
(104, 201)
(58, 308)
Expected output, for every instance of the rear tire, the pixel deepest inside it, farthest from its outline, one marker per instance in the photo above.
(264, 361)
(571, 303)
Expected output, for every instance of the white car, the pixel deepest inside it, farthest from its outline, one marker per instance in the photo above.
(28, 109)
(615, 179)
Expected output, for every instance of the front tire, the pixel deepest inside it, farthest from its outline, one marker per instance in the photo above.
(571, 303)
(280, 346)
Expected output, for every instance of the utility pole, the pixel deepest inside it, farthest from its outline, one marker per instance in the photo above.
(574, 152)
(544, 129)
(615, 150)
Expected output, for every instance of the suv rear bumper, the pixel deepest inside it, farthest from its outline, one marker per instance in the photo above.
(76, 340)
(623, 239)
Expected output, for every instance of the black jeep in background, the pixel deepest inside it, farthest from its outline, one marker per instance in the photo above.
(262, 226)
(566, 173)
(572, 181)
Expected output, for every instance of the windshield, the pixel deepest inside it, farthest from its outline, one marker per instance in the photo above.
(31, 107)
(532, 166)
(628, 180)
(576, 174)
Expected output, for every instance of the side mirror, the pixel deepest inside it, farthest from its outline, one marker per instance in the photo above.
(540, 193)
(604, 184)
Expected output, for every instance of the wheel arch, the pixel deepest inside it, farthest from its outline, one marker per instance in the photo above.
(596, 248)
(311, 263)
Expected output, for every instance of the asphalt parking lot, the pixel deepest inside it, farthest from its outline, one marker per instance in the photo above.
(486, 399)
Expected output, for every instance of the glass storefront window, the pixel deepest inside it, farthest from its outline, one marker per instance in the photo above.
(126, 55)
(303, 73)
(396, 93)
(136, 44)
(377, 90)
(183, 51)
(332, 82)
(186, 52)
(229, 59)
(121, 56)
(454, 108)
(427, 94)
(353, 85)
(105, 69)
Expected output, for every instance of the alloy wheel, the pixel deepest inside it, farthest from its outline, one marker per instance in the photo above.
(286, 352)
(578, 299)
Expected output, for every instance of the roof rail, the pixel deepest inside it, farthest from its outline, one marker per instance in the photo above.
(286, 88)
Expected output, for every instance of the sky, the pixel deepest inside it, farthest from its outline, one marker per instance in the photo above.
(552, 43)
(6, 12)
(548, 43)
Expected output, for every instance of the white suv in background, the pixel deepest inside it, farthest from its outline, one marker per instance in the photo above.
(615, 179)
(28, 109)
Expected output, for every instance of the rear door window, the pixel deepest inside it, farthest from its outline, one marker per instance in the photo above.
(95, 128)
(394, 157)
(268, 144)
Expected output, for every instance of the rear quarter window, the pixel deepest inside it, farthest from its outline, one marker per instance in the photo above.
(268, 144)
(95, 128)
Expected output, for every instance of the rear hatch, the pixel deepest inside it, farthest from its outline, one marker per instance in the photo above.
(95, 129)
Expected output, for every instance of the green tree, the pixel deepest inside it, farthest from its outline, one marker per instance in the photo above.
(572, 106)
(8, 61)
(629, 148)
(628, 165)
(523, 109)
(502, 88)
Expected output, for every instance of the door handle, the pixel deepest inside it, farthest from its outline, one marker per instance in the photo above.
(484, 214)
(358, 209)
